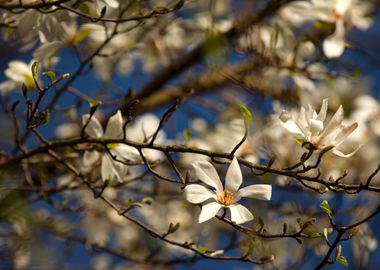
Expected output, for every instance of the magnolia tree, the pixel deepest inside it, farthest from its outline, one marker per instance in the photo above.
(180, 134)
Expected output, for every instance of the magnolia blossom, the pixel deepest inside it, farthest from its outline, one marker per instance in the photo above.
(226, 197)
(110, 167)
(142, 130)
(343, 13)
(310, 127)
(18, 73)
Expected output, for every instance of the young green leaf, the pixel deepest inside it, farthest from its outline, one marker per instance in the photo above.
(202, 249)
(247, 115)
(187, 134)
(147, 200)
(34, 69)
(326, 207)
(343, 260)
(51, 75)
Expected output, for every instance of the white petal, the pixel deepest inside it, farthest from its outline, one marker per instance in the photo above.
(233, 176)
(197, 193)
(260, 192)
(112, 3)
(345, 131)
(114, 127)
(333, 46)
(126, 152)
(209, 211)
(342, 6)
(333, 128)
(341, 154)
(112, 169)
(7, 86)
(289, 124)
(17, 71)
(147, 125)
(90, 157)
(303, 121)
(94, 128)
(240, 214)
(316, 126)
(152, 154)
(323, 111)
(47, 49)
(207, 174)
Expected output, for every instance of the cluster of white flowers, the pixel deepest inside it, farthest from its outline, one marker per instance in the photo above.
(293, 49)
(112, 166)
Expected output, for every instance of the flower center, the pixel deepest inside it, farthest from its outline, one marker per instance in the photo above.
(226, 198)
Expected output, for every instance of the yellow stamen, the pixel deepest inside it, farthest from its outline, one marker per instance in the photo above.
(226, 198)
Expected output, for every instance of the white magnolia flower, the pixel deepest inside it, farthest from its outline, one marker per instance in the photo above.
(226, 197)
(310, 127)
(18, 73)
(343, 13)
(142, 130)
(110, 167)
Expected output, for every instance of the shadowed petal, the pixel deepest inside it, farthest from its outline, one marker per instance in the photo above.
(94, 128)
(288, 123)
(209, 211)
(240, 214)
(233, 176)
(323, 111)
(126, 152)
(207, 174)
(197, 193)
(90, 157)
(112, 169)
(344, 133)
(114, 127)
(260, 192)
(333, 128)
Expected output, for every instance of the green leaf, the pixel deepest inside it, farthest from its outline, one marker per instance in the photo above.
(326, 232)
(202, 249)
(312, 234)
(147, 200)
(94, 103)
(298, 140)
(34, 69)
(51, 75)
(321, 25)
(128, 202)
(247, 115)
(60, 78)
(343, 260)
(326, 207)
(187, 134)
